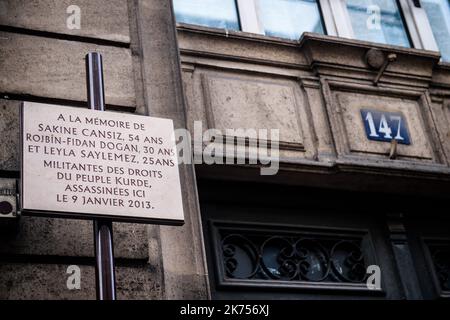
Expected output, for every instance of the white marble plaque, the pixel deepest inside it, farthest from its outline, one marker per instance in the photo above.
(79, 162)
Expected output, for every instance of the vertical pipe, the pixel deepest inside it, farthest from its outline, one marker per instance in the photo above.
(104, 260)
(103, 232)
(94, 81)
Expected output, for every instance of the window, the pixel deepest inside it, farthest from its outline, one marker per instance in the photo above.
(438, 12)
(278, 18)
(212, 13)
(422, 24)
(377, 21)
(281, 18)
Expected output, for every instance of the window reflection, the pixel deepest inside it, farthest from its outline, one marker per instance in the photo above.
(378, 21)
(438, 12)
(290, 18)
(211, 13)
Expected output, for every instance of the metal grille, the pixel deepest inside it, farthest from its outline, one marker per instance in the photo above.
(257, 254)
(440, 255)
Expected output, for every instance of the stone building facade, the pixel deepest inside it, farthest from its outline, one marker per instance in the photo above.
(339, 203)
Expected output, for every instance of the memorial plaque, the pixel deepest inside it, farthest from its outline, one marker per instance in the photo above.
(83, 164)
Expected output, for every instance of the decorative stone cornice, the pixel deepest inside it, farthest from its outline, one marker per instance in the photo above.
(348, 58)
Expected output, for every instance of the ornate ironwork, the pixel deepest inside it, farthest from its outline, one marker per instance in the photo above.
(440, 254)
(251, 255)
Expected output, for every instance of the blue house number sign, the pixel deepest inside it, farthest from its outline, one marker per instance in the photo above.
(385, 126)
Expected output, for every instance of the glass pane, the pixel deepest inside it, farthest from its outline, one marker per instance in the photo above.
(438, 12)
(210, 13)
(378, 21)
(290, 18)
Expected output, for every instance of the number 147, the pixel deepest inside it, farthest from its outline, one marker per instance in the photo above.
(385, 126)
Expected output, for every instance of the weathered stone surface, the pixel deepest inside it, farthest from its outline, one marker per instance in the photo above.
(319, 121)
(352, 103)
(241, 102)
(48, 236)
(185, 287)
(104, 19)
(441, 117)
(251, 47)
(130, 241)
(67, 237)
(137, 282)
(53, 68)
(9, 138)
(340, 52)
(441, 75)
(43, 282)
(181, 247)
(49, 281)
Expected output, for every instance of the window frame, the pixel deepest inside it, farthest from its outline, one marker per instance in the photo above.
(345, 29)
(248, 11)
(419, 26)
(427, 244)
(223, 281)
(336, 21)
